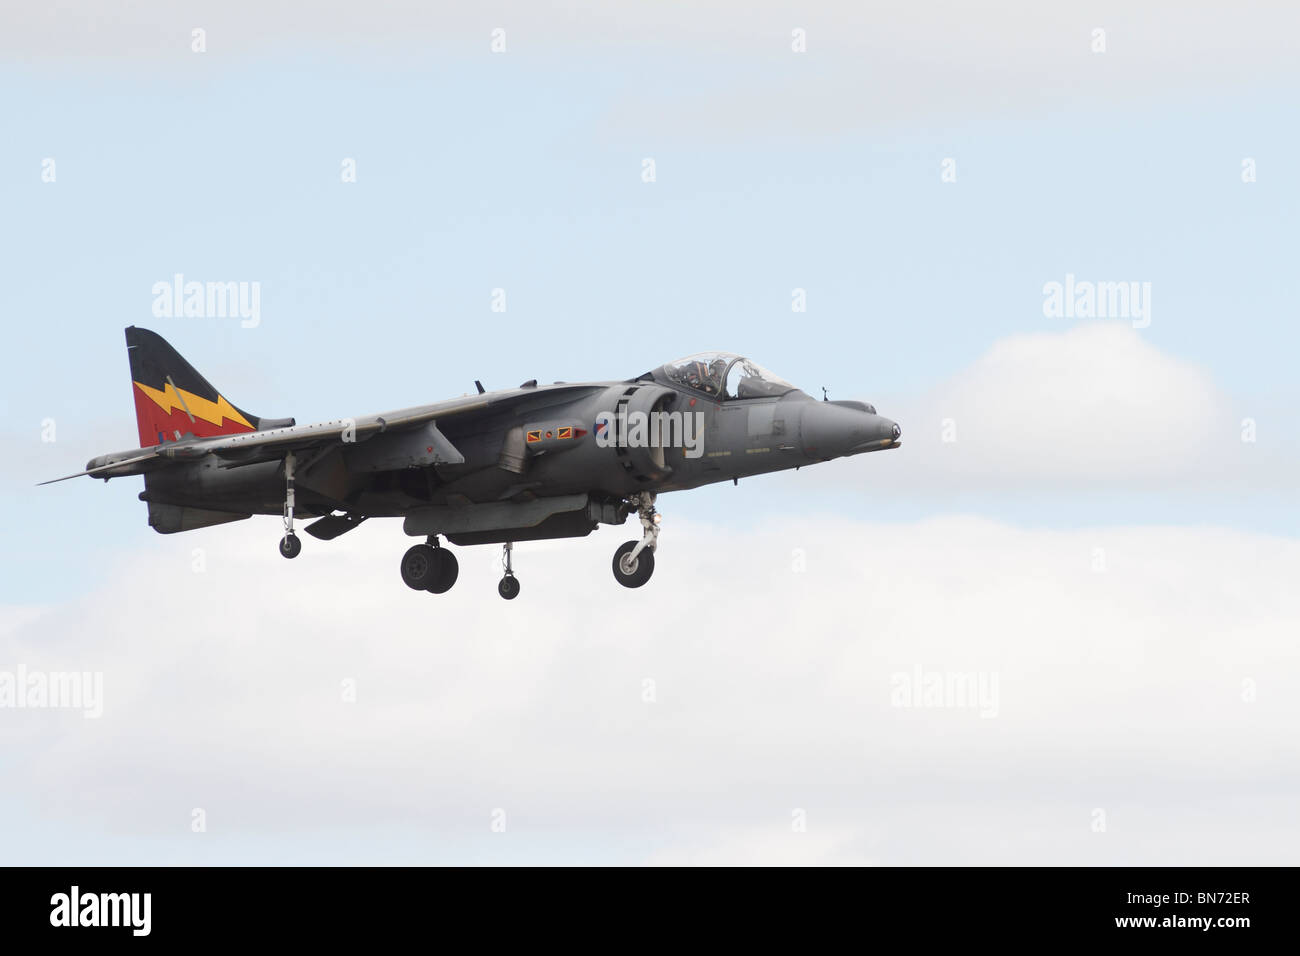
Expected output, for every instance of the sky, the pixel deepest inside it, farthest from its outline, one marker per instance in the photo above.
(1091, 521)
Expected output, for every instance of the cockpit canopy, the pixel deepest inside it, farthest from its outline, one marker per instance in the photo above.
(723, 375)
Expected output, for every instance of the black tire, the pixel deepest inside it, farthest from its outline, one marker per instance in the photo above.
(446, 570)
(639, 573)
(420, 567)
(509, 587)
(290, 546)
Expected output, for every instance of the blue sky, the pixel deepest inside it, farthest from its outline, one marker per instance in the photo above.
(522, 171)
(491, 172)
(376, 294)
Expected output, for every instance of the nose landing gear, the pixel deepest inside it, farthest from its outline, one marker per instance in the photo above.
(634, 561)
(508, 587)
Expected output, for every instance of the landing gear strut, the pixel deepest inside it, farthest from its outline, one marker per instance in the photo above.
(290, 546)
(634, 561)
(508, 588)
(430, 567)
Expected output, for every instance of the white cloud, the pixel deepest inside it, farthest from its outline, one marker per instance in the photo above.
(1120, 689)
(1095, 407)
(1097, 404)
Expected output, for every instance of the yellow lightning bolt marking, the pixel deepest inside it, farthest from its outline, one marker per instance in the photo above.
(169, 398)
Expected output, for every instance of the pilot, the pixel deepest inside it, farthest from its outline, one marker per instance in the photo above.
(707, 378)
(717, 368)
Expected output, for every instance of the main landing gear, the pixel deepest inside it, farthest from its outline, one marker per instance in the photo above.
(508, 588)
(634, 561)
(430, 567)
(290, 546)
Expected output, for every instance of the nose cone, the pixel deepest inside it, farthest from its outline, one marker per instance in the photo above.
(831, 431)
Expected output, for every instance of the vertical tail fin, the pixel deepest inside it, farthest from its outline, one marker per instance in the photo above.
(173, 400)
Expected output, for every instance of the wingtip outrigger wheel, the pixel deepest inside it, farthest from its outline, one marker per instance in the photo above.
(634, 561)
(290, 546)
(508, 587)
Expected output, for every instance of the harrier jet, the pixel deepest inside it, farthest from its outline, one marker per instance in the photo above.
(519, 464)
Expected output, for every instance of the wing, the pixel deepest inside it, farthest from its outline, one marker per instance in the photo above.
(126, 462)
(274, 443)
